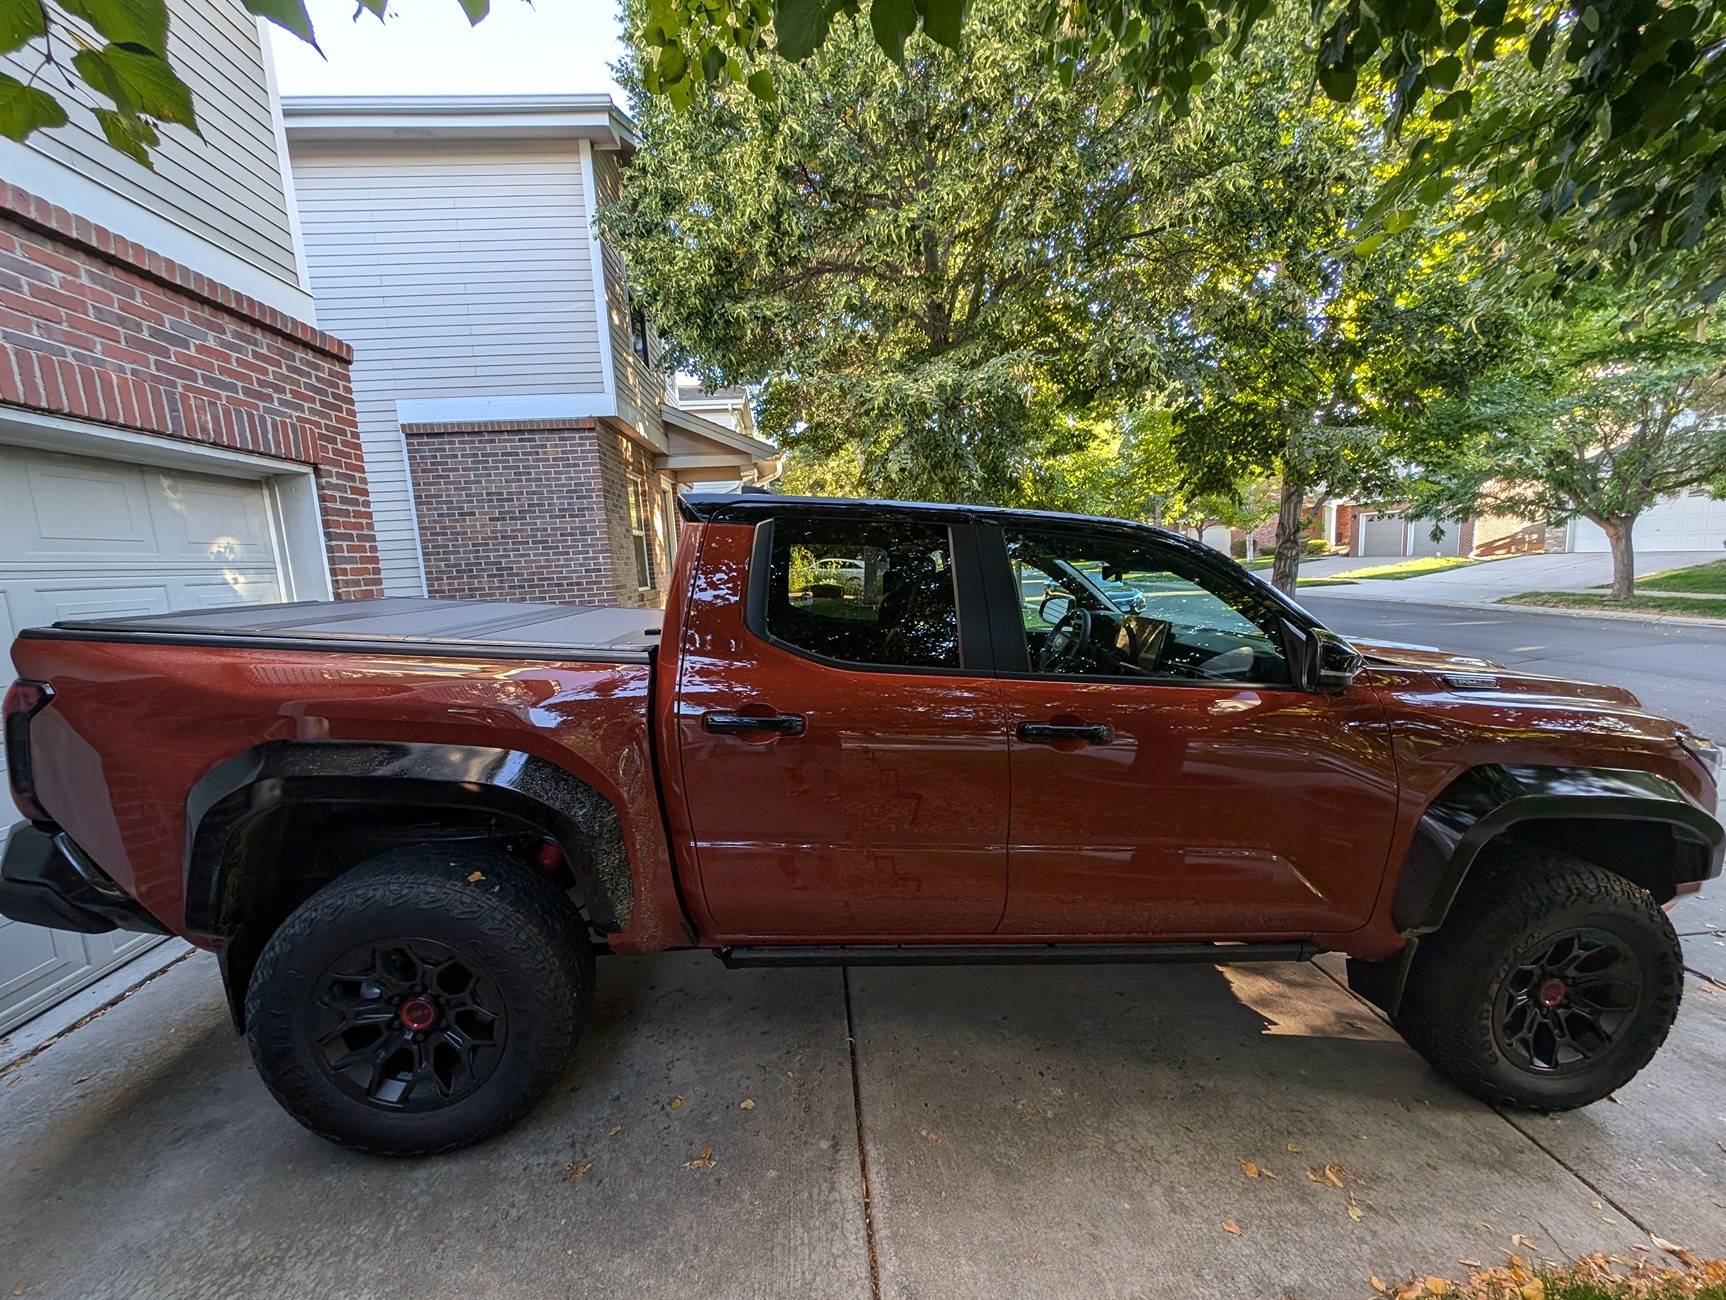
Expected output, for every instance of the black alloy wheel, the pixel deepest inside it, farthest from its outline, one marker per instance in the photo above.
(408, 1024)
(1566, 1001)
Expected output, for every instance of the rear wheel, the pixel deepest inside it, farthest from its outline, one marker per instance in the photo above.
(1553, 982)
(420, 1002)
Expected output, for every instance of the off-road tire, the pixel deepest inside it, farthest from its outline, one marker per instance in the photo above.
(1458, 976)
(472, 899)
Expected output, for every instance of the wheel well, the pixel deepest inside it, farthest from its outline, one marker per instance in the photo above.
(276, 860)
(1652, 855)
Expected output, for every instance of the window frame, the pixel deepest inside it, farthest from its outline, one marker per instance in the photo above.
(636, 515)
(976, 658)
(1007, 623)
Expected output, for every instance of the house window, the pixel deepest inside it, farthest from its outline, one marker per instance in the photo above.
(638, 332)
(638, 531)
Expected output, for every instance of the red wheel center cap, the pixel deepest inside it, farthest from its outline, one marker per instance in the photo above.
(1551, 993)
(418, 1013)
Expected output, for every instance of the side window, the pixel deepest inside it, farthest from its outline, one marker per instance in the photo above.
(1108, 607)
(863, 592)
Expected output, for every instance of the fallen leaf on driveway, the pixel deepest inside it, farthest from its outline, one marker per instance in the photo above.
(615, 1130)
(702, 1161)
(575, 1171)
(1681, 1253)
(1527, 1243)
(1533, 1289)
(1294, 1148)
(677, 1103)
(1229, 1225)
(1377, 1284)
(474, 877)
(1437, 1286)
(746, 1104)
(1253, 1171)
(82, 1078)
(1354, 1210)
(1331, 1175)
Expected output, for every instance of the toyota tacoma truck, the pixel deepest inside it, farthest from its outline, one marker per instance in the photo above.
(406, 827)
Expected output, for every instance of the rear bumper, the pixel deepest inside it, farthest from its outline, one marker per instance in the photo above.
(45, 879)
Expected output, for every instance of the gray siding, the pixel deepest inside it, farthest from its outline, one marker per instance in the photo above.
(454, 271)
(640, 387)
(226, 189)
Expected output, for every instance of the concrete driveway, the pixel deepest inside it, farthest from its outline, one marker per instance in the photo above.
(911, 1134)
(1491, 579)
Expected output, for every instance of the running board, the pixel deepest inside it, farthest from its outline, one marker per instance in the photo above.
(1013, 954)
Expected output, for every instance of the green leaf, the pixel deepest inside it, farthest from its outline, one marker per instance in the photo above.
(1338, 82)
(1399, 221)
(21, 21)
(125, 22)
(1370, 245)
(476, 10)
(139, 83)
(673, 63)
(1540, 45)
(1453, 106)
(800, 26)
(289, 15)
(131, 135)
(24, 109)
(892, 21)
(1442, 73)
(761, 85)
(943, 21)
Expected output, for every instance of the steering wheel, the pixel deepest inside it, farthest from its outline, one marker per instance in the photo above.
(1065, 642)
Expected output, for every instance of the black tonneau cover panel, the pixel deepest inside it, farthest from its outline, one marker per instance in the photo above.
(398, 625)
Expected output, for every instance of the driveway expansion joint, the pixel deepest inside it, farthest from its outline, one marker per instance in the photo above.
(862, 1143)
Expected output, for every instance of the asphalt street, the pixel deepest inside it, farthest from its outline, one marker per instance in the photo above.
(1676, 669)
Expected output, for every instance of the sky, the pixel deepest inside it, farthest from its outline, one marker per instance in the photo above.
(553, 46)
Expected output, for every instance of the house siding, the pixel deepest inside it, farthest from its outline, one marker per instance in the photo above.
(453, 271)
(640, 385)
(225, 189)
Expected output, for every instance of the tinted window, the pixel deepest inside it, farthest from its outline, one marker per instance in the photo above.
(864, 592)
(1109, 607)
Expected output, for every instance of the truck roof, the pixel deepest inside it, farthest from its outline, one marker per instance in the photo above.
(395, 625)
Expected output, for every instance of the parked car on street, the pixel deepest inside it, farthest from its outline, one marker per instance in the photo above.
(407, 827)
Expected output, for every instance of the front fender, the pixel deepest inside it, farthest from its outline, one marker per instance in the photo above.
(1486, 802)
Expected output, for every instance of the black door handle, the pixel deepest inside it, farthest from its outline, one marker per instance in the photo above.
(1047, 733)
(783, 724)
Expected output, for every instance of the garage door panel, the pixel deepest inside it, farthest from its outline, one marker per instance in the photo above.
(213, 522)
(1693, 521)
(83, 537)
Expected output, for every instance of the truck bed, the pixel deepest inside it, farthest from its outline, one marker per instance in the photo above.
(394, 625)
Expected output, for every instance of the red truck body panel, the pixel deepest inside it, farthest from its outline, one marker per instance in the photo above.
(133, 726)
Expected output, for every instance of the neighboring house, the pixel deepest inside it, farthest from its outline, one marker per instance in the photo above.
(174, 429)
(520, 438)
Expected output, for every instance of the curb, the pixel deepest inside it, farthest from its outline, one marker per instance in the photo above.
(1610, 615)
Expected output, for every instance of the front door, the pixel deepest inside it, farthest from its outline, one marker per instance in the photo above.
(1169, 778)
(844, 744)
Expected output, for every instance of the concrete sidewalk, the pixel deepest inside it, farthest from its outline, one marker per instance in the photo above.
(984, 1132)
(1491, 580)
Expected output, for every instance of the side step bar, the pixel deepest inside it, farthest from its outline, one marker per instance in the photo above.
(1013, 954)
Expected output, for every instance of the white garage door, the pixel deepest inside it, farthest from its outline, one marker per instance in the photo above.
(82, 537)
(1421, 541)
(1693, 521)
(1381, 534)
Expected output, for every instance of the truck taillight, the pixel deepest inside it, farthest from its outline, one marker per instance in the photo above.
(24, 700)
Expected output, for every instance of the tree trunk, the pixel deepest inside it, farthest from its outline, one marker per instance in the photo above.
(1617, 530)
(1285, 568)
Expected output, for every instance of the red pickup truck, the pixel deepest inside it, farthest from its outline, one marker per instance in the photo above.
(864, 732)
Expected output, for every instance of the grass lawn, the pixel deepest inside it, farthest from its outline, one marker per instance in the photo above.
(1702, 605)
(1413, 567)
(1324, 582)
(1708, 578)
(1595, 1277)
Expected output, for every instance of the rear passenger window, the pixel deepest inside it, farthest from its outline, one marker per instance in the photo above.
(878, 593)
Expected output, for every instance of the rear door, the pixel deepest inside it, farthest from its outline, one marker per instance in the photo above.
(1169, 778)
(843, 745)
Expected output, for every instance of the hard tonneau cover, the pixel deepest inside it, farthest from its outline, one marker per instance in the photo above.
(394, 625)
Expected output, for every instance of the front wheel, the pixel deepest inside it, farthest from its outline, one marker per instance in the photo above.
(1552, 983)
(420, 1002)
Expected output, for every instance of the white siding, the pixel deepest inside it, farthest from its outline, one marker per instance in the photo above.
(454, 271)
(224, 190)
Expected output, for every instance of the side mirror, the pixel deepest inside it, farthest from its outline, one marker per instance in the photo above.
(1055, 607)
(1333, 663)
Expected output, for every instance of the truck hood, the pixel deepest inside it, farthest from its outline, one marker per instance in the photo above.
(1471, 673)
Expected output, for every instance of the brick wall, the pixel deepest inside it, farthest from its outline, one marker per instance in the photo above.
(528, 510)
(96, 327)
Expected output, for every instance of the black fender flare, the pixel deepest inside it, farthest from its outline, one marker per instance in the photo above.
(536, 793)
(1486, 801)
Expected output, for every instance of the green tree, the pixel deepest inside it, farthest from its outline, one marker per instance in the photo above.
(936, 274)
(1300, 364)
(1593, 419)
